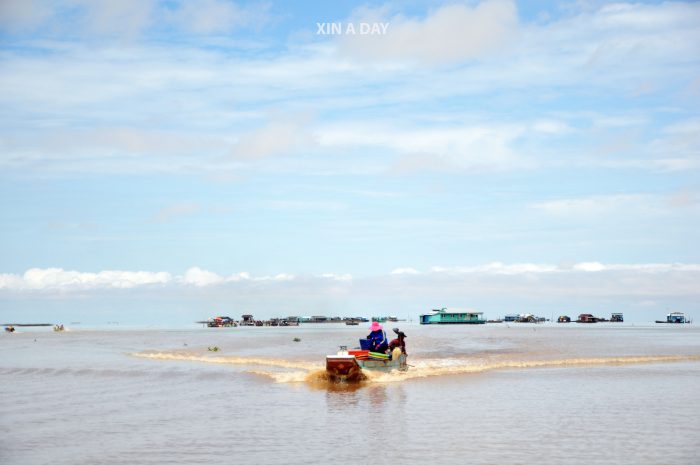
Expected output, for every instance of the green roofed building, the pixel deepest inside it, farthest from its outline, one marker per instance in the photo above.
(444, 317)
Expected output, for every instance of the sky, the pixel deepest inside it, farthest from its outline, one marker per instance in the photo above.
(167, 161)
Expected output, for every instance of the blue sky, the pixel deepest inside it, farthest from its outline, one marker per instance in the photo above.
(174, 160)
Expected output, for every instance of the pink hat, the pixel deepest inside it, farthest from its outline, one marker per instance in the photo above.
(375, 326)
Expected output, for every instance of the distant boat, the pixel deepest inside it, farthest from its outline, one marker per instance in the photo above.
(675, 317)
(444, 317)
(617, 318)
(221, 322)
(564, 319)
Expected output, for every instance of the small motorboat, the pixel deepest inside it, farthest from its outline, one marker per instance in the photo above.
(348, 365)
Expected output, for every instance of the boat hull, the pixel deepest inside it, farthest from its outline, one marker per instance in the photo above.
(384, 365)
(347, 368)
(343, 368)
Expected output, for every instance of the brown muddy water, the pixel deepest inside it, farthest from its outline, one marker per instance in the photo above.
(493, 394)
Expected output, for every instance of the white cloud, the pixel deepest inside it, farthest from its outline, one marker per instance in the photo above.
(647, 17)
(66, 281)
(452, 33)
(589, 266)
(539, 284)
(242, 276)
(683, 198)
(639, 268)
(196, 276)
(126, 18)
(337, 277)
(677, 164)
(129, 18)
(406, 270)
(218, 16)
(597, 205)
(689, 127)
(281, 135)
(619, 207)
(201, 103)
(677, 277)
(284, 277)
(497, 268)
(117, 149)
(468, 147)
(58, 279)
(678, 146)
(17, 15)
(549, 126)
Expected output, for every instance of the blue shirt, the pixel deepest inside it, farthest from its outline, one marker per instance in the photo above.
(377, 341)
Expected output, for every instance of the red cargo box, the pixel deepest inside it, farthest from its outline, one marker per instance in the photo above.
(359, 353)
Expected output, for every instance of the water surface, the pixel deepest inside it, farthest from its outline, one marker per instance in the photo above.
(502, 394)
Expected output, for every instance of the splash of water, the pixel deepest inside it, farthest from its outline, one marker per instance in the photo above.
(321, 380)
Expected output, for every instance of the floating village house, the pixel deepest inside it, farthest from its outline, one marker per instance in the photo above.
(674, 317)
(443, 316)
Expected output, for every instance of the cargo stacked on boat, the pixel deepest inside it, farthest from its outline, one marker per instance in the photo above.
(359, 354)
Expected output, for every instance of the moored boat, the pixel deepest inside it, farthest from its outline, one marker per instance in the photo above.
(221, 322)
(675, 317)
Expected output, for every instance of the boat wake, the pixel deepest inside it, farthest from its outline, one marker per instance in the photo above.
(290, 371)
(425, 368)
(283, 371)
(226, 360)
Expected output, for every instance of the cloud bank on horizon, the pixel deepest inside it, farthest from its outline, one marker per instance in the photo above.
(151, 135)
(665, 276)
